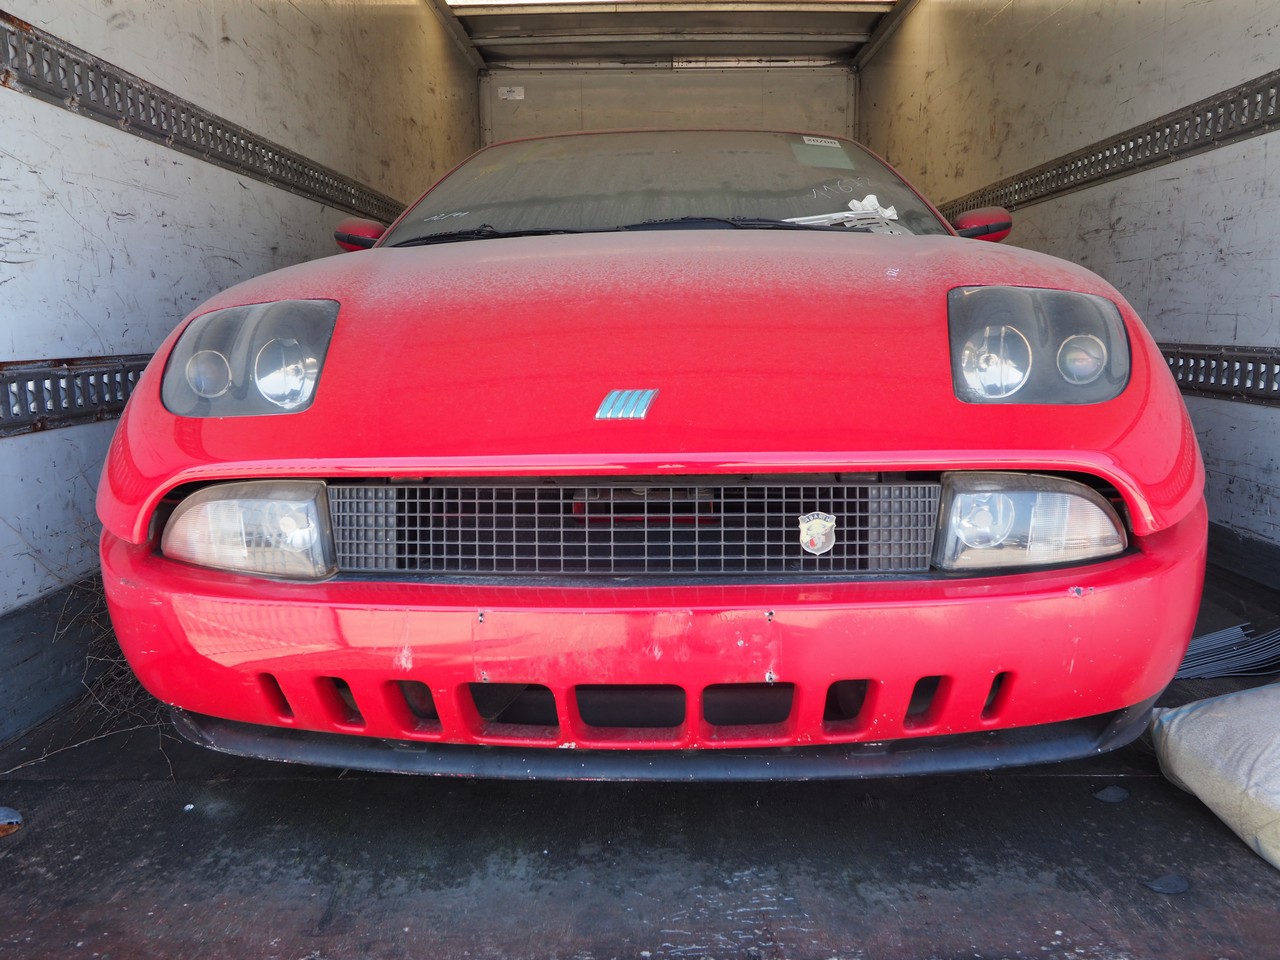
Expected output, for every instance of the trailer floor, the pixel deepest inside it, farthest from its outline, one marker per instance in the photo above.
(136, 844)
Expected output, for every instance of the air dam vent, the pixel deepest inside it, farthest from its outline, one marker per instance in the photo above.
(593, 526)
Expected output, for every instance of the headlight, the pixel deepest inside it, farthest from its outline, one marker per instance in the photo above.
(996, 361)
(1020, 520)
(275, 528)
(1023, 345)
(250, 361)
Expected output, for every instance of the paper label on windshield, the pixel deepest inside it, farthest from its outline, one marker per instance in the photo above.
(821, 152)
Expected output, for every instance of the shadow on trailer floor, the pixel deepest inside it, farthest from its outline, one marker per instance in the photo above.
(136, 844)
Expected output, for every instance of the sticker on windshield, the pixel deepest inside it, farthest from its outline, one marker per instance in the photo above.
(822, 153)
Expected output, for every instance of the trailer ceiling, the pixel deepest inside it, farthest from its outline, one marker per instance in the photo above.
(538, 33)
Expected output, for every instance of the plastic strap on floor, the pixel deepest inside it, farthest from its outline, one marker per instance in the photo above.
(1226, 751)
(1231, 653)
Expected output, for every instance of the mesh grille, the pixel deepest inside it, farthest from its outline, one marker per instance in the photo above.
(593, 528)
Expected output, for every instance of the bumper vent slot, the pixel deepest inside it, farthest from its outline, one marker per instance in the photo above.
(590, 526)
(747, 704)
(631, 706)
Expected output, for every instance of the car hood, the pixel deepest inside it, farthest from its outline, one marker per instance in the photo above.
(770, 350)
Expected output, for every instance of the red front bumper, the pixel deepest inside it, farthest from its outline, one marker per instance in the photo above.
(906, 659)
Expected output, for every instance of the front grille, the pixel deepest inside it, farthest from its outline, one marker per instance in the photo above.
(595, 526)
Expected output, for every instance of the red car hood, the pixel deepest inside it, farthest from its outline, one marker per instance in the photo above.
(771, 351)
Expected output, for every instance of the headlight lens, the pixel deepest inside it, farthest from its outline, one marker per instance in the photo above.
(1020, 520)
(996, 361)
(1024, 345)
(274, 528)
(208, 374)
(284, 373)
(250, 361)
(1082, 358)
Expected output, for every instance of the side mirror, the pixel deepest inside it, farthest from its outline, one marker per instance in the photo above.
(985, 223)
(357, 233)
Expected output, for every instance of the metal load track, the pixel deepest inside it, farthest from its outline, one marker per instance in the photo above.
(1245, 111)
(43, 66)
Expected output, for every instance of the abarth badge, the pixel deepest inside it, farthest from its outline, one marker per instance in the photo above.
(817, 532)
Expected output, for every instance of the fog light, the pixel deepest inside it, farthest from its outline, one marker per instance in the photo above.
(982, 520)
(1011, 520)
(275, 528)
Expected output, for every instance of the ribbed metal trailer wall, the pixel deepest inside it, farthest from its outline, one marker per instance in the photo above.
(524, 101)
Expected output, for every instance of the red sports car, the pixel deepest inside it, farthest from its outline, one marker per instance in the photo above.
(659, 455)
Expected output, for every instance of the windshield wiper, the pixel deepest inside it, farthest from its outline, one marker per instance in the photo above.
(737, 223)
(483, 232)
(488, 232)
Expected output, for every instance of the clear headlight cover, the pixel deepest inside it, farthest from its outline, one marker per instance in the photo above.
(1025, 345)
(271, 528)
(1011, 520)
(250, 361)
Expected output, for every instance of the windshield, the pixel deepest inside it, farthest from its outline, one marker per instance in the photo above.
(609, 181)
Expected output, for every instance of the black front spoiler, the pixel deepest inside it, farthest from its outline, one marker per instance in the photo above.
(954, 753)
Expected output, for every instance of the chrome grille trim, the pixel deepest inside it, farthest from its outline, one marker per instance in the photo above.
(592, 526)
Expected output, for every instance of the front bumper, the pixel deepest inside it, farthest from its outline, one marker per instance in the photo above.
(956, 753)
(855, 664)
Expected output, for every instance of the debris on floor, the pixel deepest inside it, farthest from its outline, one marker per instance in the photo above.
(10, 821)
(1232, 652)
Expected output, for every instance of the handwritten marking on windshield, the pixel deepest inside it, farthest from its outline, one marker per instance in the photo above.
(845, 185)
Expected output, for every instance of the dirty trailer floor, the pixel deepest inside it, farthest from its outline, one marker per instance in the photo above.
(136, 844)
